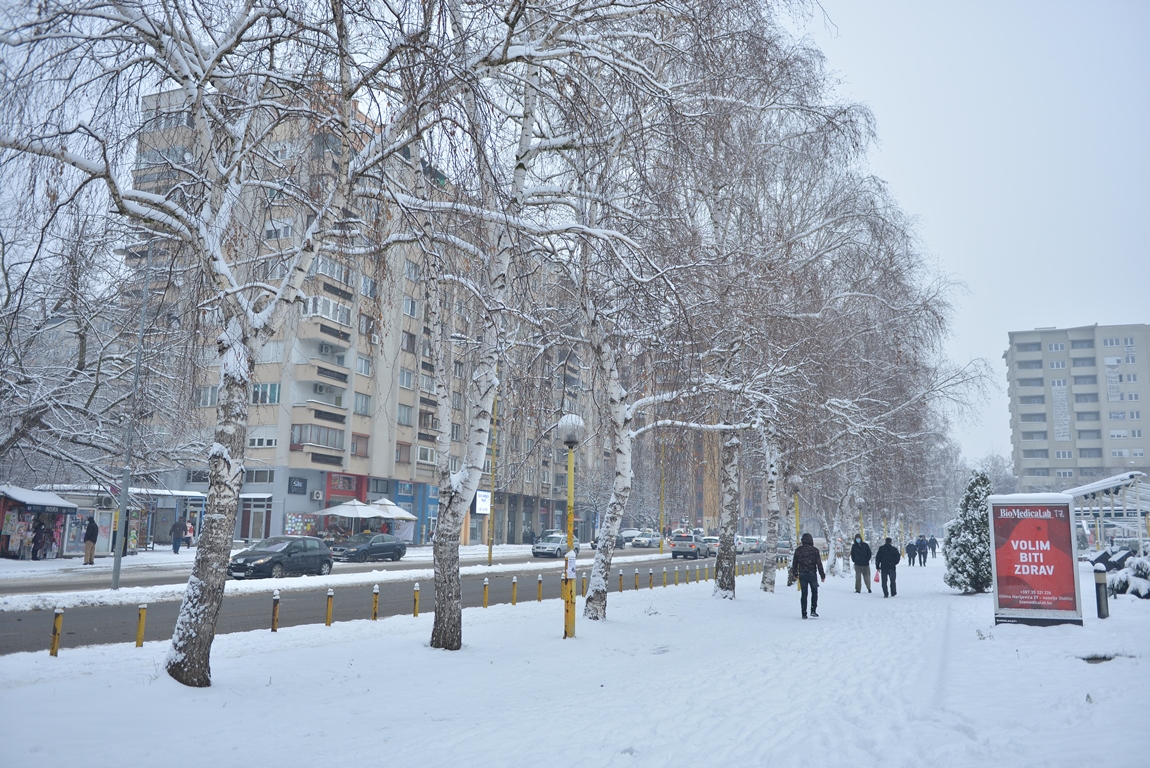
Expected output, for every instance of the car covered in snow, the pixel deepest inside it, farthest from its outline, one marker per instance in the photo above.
(689, 545)
(369, 546)
(554, 545)
(278, 556)
(629, 534)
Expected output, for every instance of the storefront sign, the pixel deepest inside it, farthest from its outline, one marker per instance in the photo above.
(297, 485)
(1035, 559)
(483, 502)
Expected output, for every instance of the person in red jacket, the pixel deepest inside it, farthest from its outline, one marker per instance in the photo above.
(805, 564)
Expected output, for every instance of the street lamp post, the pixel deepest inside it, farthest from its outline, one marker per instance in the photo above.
(571, 433)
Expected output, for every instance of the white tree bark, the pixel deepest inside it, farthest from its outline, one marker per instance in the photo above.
(729, 484)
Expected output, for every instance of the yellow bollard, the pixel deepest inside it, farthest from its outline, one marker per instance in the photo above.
(276, 611)
(650, 578)
(330, 598)
(620, 579)
(375, 603)
(486, 586)
(539, 589)
(568, 606)
(57, 624)
(636, 579)
(514, 589)
(415, 613)
(696, 573)
(707, 571)
(664, 577)
(584, 584)
(676, 575)
(142, 617)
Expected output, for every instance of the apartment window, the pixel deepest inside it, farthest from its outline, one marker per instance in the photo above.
(1036, 472)
(427, 350)
(410, 307)
(457, 369)
(1135, 415)
(1085, 381)
(1111, 342)
(1029, 346)
(1028, 365)
(529, 474)
(1090, 453)
(406, 378)
(277, 228)
(377, 485)
(1119, 434)
(368, 286)
(197, 475)
(426, 383)
(411, 271)
(1088, 398)
(1131, 377)
(265, 394)
(359, 445)
(407, 342)
(455, 464)
(260, 441)
(321, 306)
(1116, 415)
(402, 454)
(1133, 396)
(1082, 362)
(427, 420)
(1119, 453)
(1056, 346)
(1030, 382)
(1128, 341)
(545, 475)
(363, 365)
(1064, 454)
(206, 396)
(326, 265)
(1036, 453)
(1034, 435)
(1032, 418)
(1088, 416)
(1057, 364)
(313, 434)
(1138, 452)
(259, 476)
(426, 455)
(1032, 400)
(1058, 382)
(403, 415)
(1135, 433)
(1090, 434)
(366, 325)
(362, 404)
(1064, 473)
(1082, 344)
(456, 433)
(457, 401)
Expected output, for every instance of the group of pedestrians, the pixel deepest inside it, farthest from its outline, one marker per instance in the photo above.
(807, 566)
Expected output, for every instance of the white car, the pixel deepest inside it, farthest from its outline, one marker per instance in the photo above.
(646, 540)
(689, 545)
(554, 545)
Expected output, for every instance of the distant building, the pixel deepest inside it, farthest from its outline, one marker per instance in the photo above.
(1076, 405)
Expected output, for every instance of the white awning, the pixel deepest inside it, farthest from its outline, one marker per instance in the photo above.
(37, 501)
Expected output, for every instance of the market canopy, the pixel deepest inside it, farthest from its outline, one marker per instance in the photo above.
(356, 509)
(36, 502)
(393, 511)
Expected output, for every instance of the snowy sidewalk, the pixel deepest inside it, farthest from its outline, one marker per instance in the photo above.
(874, 682)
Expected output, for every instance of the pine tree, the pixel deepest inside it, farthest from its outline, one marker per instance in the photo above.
(967, 543)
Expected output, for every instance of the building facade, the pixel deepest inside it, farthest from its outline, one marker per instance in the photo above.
(1076, 404)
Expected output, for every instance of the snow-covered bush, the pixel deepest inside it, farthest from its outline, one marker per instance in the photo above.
(967, 543)
(1134, 578)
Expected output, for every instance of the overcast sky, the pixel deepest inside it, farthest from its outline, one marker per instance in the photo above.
(1018, 135)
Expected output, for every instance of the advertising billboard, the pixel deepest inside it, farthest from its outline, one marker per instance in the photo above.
(1035, 559)
(483, 502)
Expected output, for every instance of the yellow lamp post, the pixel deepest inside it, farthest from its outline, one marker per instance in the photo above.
(570, 431)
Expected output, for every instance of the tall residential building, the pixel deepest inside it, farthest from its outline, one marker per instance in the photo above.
(1076, 403)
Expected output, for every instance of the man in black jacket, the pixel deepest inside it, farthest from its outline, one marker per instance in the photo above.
(886, 559)
(933, 546)
(91, 534)
(860, 556)
(807, 561)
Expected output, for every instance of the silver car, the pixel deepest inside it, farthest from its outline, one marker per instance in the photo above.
(646, 540)
(689, 545)
(554, 545)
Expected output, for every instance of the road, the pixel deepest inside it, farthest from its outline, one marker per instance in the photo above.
(97, 625)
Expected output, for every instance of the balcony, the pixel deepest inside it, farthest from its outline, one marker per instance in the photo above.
(323, 371)
(318, 412)
(315, 327)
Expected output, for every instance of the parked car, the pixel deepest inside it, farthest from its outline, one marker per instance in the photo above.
(620, 542)
(712, 543)
(629, 534)
(369, 546)
(689, 545)
(552, 546)
(754, 543)
(278, 556)
(646, 540)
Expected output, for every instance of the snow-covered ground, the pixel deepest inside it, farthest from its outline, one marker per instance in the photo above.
(674, 676)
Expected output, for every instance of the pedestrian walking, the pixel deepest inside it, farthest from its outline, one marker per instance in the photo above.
(933, 543)
(39, 537)
(860, 556)
(808, 562)
(921, 547)
(91, 534)
(911, 552)
(178, 531)
(190, 531)
(886, 560)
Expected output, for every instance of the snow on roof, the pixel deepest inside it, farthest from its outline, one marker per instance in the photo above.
(1115, 482)
(34, 498)
(103, 491)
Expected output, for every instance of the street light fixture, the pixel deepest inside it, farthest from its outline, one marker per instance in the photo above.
(570, 431)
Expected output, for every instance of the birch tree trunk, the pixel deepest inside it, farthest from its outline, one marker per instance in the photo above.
(774, 513)
(729, 484)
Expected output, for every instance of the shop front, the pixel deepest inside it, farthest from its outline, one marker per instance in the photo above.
(33, 523)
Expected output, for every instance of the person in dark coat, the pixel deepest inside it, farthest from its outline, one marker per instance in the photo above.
(91, 534)
(886, 560)
(911, 552)
(921, 547)
(39, 537)
(178, 530)
(860, 556)
(806, 563)
(933, 544)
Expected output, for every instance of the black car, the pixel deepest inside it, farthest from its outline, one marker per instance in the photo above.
(278, 556)
(369, 546)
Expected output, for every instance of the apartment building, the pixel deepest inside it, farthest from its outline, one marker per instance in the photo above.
(1077, 402)
(343, 400)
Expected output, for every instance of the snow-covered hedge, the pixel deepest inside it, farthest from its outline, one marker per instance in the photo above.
(1134, 578)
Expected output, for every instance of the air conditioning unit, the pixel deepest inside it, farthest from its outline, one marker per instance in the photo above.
(325, 349)
(104, 502)
(317, 495)
(375, 338)
(322, 389)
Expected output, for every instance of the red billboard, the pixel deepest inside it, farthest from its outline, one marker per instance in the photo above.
(1035, 559)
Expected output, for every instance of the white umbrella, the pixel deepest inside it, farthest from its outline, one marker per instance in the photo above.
(392, 511)
(354, 509)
